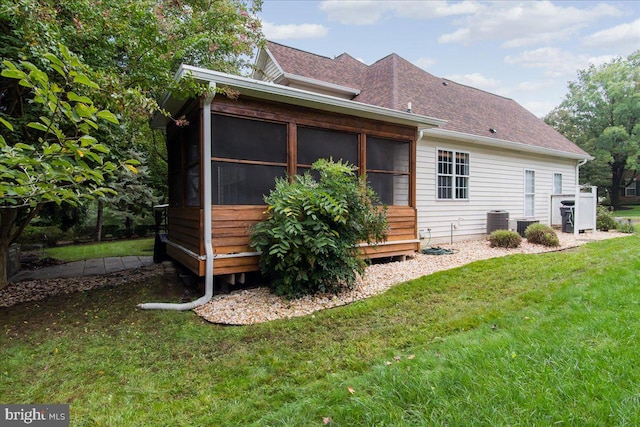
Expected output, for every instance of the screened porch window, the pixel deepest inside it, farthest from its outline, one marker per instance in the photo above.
(388, 170)
(453, 174)
(314, 144)
(247, 156)
(183, 150)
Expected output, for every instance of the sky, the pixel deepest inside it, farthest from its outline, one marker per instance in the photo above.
(528, 51)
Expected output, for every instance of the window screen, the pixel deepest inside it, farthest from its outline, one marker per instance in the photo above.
(387, 154)
(174, 160)
(314, 144)
(243, 184)
(244, 139)
(392, 189)
(192, 182)
(388, 170)
(247, 157)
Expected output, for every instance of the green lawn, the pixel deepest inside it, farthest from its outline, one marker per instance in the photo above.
(139, 247)
(631, 211)
(522, 340)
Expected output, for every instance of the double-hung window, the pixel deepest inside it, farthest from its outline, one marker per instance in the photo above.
(529, 193)
(557, 183)
(630, 191)
(453, 174)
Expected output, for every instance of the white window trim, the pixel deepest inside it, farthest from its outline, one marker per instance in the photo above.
(453, 175)
(533, 204)
(556, 190)
(631, 187)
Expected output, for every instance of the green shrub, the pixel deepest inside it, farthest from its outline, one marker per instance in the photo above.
(626, 227)
(309, 239)
(48, 235)
(605, 220)
(505, 239)
(541, 234)
(142, 230)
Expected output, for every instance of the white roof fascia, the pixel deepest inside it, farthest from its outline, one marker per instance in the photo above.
(319, 83)
(502, 143)
(293, 96)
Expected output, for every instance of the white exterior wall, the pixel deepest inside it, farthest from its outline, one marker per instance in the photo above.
(496, 182)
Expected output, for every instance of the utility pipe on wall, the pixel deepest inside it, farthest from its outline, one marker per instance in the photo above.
(208, 244)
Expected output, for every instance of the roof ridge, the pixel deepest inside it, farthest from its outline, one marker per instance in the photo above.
(301, 50)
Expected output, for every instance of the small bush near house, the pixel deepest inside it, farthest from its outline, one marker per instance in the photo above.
(505, 239)
(309, 239)
(626, 227)
(605, 220)
(541, 234)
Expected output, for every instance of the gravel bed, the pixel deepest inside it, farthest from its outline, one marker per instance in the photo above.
(32, 290)
(258, 305)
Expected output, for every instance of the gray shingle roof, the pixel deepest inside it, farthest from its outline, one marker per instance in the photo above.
(393, 82)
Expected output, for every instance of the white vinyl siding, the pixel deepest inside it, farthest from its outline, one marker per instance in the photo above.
(529, 193)
(496, 182)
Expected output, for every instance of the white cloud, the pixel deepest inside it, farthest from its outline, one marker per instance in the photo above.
(355, 12)
(624, 37)
(366, 12)
(478, 81)
(293, 31)
(534, 86)
(525, 23)
(424, 63)
(556, 62)
(539, 108)
(435, 9)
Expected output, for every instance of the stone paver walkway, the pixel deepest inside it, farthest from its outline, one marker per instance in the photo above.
(90, 267)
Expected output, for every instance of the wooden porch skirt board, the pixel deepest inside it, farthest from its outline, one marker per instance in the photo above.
(231, 229)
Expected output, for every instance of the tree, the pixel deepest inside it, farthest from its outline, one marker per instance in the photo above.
(309, 239)
(601, 113)
(55, 158)
(134, 196)
(133, 48)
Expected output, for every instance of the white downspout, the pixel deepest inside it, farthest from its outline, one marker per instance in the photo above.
(208, 244)
(580, 163)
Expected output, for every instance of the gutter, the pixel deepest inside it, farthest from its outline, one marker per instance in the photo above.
(208, 244)
(318, 84)
(502, 143)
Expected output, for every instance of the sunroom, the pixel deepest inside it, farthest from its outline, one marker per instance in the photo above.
(226, 153)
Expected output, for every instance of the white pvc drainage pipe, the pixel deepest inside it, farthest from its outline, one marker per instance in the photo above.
(208, 245)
